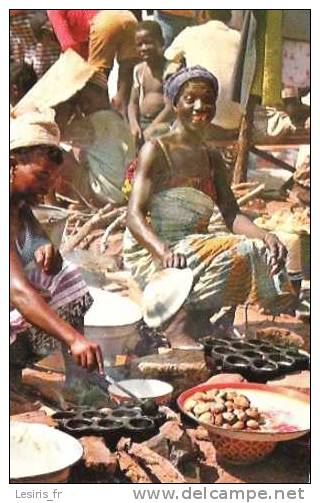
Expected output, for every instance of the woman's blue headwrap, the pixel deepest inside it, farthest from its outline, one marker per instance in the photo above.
(174, 83)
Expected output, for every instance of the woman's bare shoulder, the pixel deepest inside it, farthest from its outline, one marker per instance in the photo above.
(148, 155)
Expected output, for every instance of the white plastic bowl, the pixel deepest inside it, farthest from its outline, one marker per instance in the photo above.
(160, 391)
(39, 453)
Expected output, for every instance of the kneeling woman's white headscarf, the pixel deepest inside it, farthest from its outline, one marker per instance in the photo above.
(34, 127)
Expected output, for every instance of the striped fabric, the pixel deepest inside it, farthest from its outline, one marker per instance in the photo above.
(66, 288)
(228, 270)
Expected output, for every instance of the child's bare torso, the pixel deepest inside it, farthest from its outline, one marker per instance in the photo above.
(151, 101)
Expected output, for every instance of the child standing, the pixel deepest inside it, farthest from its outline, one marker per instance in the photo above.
(147, 108)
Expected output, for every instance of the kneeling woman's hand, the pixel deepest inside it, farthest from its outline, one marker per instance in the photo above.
(278, 252)
(48, 258)
(87, 354)
(172, 259)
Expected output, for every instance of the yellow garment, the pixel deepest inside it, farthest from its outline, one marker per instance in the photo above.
(267, 80)
(112, 35)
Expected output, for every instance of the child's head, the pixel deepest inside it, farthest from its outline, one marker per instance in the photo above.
(22, 78)
(149, 40)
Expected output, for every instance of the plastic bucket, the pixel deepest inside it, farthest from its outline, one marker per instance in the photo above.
(112, 322)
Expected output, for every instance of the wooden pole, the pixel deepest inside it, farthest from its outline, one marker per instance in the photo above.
(244, 144)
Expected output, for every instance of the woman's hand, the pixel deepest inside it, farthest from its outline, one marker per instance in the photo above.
(278, 252)
(172, 259)
(48, 258)
(87, 354)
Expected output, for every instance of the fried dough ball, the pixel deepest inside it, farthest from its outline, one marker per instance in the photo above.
(229, 417)
(252, 424)
(252, 412)
(211, 395)
(206, 418)
(189, 404)
(217, 408)
(201, 407)
(241, 414)
(242, 402)
(199, 395)
(229, 405)
(231, 395)
(239, 425)
(218, 420)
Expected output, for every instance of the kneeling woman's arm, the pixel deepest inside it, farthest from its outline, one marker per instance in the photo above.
(239, 223)
(36, 311)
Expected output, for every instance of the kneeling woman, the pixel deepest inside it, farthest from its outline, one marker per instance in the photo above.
(177, 183)
(48, 297)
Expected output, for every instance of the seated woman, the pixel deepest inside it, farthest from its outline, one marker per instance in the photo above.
(177, 183)
(47, 295)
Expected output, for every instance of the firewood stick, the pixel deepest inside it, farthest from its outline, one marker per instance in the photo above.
(244, 185)
(80, 196)
(101, 218)
(75, 228)
(242, 200)
(86, 242)
(97, 456)
(65, 198)
(78, 215)
(247, 197)
(117, 222)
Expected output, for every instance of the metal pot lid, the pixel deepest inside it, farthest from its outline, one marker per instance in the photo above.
(165, 294)
(46, 212)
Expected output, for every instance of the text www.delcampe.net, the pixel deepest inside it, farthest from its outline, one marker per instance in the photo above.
(207, 494)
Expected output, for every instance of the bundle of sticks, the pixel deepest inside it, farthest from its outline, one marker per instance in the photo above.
(83, 227)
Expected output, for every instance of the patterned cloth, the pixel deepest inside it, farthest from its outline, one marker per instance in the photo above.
(174, 83)
(296, 63)
(69, 297)
(227, 269)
